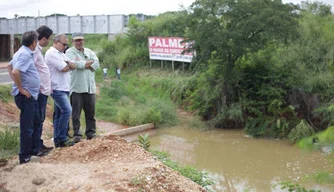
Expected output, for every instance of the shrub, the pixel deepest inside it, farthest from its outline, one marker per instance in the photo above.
(302, 130)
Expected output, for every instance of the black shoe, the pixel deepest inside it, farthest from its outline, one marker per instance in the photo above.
(67, 143)
(26, 160)
(45, 149)
(33, 158)
(76, 139)
(42, 153)
(90, 137)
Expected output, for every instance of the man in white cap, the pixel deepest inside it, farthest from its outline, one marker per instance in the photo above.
(83, 88)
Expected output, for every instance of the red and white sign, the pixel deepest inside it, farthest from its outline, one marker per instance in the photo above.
(168, 48)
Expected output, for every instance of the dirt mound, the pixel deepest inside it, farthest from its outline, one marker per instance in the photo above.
(100, 149)
(9, 113)
(104, 164)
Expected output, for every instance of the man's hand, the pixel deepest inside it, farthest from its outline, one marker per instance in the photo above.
(89, 63)
(71, 65)
(25, 92)
(17, 79)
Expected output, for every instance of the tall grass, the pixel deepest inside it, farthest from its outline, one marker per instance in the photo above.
(5, 93)
(143, 96)
(9, 142)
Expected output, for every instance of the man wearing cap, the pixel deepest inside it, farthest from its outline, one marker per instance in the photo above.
(83, 88)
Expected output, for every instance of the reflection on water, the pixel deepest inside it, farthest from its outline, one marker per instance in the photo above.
(237, 163)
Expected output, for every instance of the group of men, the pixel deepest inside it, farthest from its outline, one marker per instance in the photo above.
(63, 72)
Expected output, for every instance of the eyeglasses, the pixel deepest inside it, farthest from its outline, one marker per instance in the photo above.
(65, 44)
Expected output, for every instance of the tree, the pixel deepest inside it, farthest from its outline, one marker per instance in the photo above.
(317, 8)
(233, 29)
(56, 14)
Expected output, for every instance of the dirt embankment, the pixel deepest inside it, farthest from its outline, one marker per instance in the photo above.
(104, 164)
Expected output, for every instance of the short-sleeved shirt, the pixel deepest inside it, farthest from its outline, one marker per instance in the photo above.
(82, 79)
(55, 59)
(24, 62)
(43, 71)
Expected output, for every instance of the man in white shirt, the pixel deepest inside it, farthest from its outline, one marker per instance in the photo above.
(60, 67)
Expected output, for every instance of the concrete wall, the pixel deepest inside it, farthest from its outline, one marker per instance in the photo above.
(95, 24)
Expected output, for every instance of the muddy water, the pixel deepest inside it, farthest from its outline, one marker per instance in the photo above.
(237, 163)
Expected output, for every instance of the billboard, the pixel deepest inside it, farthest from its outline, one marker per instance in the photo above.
(168, 48)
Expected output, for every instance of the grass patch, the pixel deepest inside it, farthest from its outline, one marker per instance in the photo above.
(5, 93)
(323, 138)
(9, 142)
(192, 173)
(197, 123)
(139, 98)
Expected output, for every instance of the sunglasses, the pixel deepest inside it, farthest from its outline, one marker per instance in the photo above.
(65, 44)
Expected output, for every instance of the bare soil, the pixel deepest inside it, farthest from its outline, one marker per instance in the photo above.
(107, 163)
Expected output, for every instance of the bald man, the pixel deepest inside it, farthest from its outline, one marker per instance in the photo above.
(60, 67)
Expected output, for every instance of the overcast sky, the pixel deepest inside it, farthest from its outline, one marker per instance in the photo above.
(8, 8)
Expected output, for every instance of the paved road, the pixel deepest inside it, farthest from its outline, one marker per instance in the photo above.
(4, 77)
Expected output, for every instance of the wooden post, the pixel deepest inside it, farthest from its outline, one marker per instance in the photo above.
(173, 65)
(150, 63)
(183, 66)
(162, 64)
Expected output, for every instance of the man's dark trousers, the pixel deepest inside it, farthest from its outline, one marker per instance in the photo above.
(42, 101)
(86, 102)
(29, 126)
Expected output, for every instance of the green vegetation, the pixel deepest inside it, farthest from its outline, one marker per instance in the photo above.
(192, 173)
(132, 101)
(5, 93)
(318, 140)
(261, 65)
(9, 142)
(94, 42)
(144, 142)
(295, 187)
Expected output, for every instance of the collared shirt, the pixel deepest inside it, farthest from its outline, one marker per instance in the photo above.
(24, 62)
(43, 71)
(82, 79)
(55, 60)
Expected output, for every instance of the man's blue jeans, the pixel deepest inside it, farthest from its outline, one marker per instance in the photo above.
(29, 125)
(42, 101)
(62, 114)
